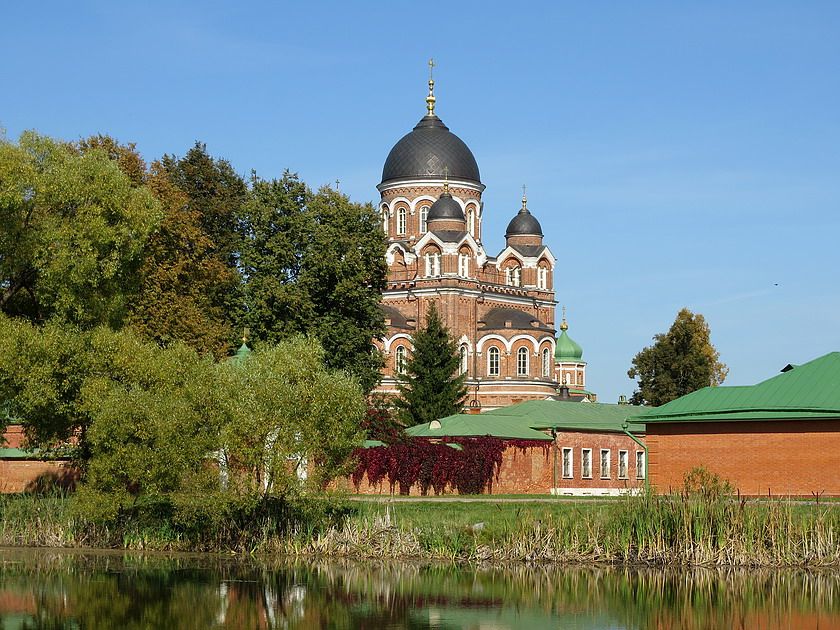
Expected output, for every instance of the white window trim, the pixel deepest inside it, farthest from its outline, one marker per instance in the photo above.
(519, 355)
(432, 264)
(608, 474)
(463, 355)
(401, 221)
(546, 362)
(571, 453)
(582, 468)
(464, 265)
(424, 213)
(491, 351)
(640, 472)
(626, 474)
(400, 359)
(542, 278)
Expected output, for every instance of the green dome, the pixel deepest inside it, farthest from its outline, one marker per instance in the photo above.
(241, 354)
(567, 349)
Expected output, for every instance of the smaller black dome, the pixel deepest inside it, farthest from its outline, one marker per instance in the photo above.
(524, 224)
(445, 208)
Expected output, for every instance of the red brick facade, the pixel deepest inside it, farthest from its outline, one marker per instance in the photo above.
(532, 471)
(779, 458)
(500, 309)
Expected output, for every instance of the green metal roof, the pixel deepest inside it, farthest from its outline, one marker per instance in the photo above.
(807, 391)
(529, 420)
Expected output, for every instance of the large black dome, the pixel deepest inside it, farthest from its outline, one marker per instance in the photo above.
(426, 151)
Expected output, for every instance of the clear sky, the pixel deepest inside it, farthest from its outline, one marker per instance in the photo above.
(676, 153)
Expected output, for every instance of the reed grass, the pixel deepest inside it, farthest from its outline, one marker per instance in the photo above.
(642, 530)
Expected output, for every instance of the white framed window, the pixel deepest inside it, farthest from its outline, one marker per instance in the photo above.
(513, 276)
(424, 214)
(493, 361)
(385, 218)
(401, 221)
(546, 362)
(623, 464)
(463, 358)
(568, 464)
(640, 464)
(586, 463)
(433, 264)
(605, 463)
(464, 265)
(399, 359)
(522, 362)
(471, 221)
(542, 278)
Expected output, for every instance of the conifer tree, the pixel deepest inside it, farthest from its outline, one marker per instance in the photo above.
(431, 387)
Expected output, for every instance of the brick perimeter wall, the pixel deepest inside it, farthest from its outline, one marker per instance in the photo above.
(20, 475)
(530, 471)
(784, 457)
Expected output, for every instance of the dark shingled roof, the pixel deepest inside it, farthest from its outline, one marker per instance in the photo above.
(426, 151)
(449, 236)
(529, 251)
(398, 320)
(496, 318)
(524, 224)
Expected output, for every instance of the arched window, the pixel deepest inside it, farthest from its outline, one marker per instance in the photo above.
(464, 264)
(401, 221)
(546, 362)
(513, 276)
(471, 220)
(399, 360)
(542, 278)
(493, 361)
(580, 378)
(385, 218)
(463, 359)
(522, 362)
(433, 263)
(424, 214)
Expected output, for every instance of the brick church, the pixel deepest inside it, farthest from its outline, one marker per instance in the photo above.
(500, 309)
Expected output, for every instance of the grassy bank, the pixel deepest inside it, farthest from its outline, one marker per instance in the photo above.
(632, 530)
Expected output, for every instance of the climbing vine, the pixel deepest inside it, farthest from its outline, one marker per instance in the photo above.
(468, 465)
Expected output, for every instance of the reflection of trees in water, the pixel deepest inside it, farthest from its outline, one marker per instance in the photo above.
(137, 591)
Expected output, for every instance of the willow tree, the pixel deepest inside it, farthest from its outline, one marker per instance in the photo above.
(679, 362)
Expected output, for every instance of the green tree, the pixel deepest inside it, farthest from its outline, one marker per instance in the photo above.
(431, 387)
(42, 370)
(72, 231)
(679, 362)
(315, 264)
(187, 289)
(288, 418)
(155, 424)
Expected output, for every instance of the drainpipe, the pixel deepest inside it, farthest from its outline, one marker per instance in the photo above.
(624, 426)
(554, 459)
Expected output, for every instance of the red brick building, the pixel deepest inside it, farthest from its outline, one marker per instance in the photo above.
(587, 451)
(780, 437)
(500, 308)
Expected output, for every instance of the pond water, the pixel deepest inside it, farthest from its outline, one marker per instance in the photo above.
(68, 589)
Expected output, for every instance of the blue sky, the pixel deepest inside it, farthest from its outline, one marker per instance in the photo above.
(676, 153)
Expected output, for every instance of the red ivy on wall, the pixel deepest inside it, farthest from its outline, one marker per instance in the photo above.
(470, 469)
